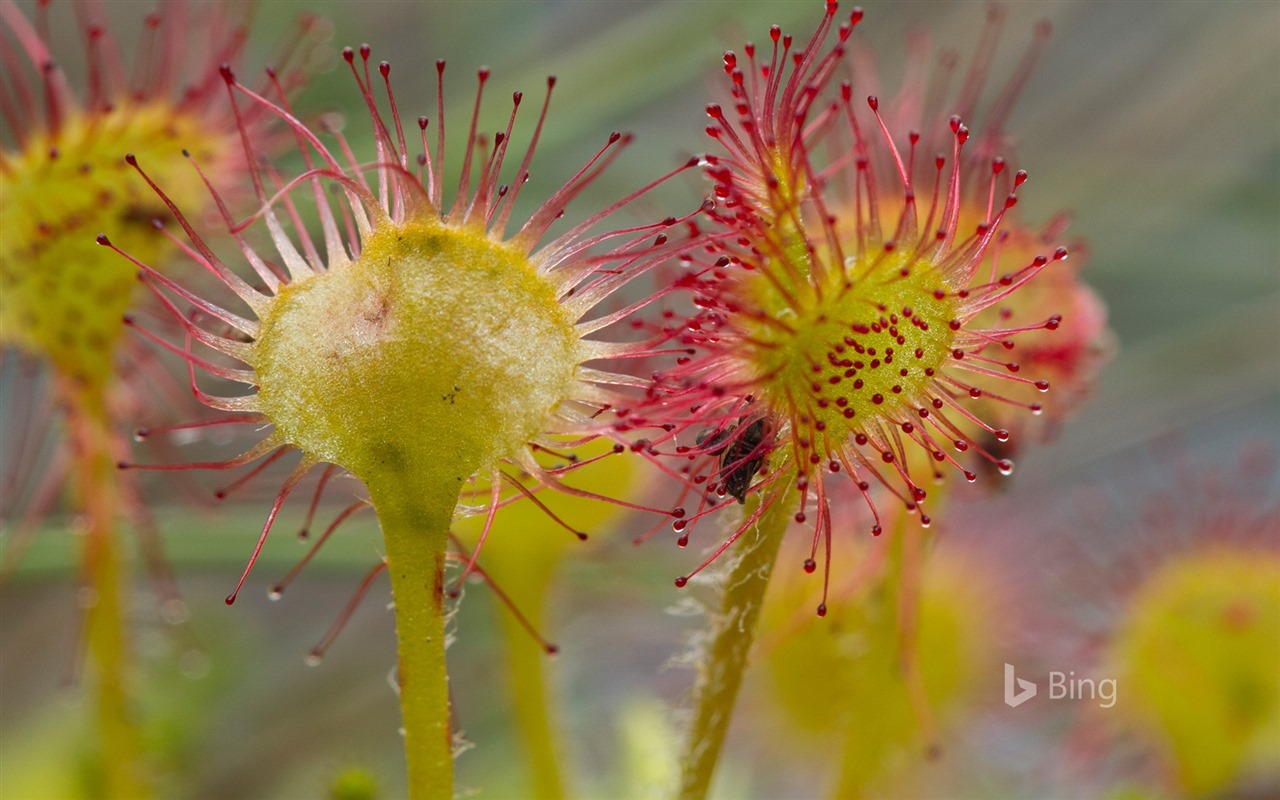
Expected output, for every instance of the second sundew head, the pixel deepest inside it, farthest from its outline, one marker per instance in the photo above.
(839, 343)
(415, 344)
(853, 344)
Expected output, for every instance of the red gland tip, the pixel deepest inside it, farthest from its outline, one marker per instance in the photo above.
(103, 240)
(131, 159)
(822, 609)
(440, 66)
(384, 67)
(224, 70)
(810, 565)
(681, 582)
(874, 102)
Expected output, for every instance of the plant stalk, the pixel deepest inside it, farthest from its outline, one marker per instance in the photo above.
(733, 631)
(415, 529)
(527, 669)
(123, 770)
(898, 589)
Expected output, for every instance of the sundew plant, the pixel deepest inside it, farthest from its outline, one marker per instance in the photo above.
(689, 400)
(73, 379)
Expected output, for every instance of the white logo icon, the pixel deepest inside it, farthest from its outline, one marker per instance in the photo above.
(1016, 696)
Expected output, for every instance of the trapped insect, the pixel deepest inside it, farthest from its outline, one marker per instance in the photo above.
(741, 454)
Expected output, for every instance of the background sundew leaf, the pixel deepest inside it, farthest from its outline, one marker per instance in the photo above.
(1157, 127)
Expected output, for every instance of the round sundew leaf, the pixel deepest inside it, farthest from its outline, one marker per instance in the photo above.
(1197, 655)
(436, 353)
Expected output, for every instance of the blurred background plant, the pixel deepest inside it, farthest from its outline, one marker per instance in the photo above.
(72, 380)
(1157, 127)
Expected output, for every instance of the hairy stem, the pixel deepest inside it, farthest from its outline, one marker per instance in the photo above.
(123, 770)
(415, 528)
(732, 634)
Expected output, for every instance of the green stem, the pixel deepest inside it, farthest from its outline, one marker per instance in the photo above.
(849, 786)
(415, 528)
(899, 591)
(526, 666)
(732, 634)
(122, 770)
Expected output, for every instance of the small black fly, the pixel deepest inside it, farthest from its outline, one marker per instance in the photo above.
(741, 455)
